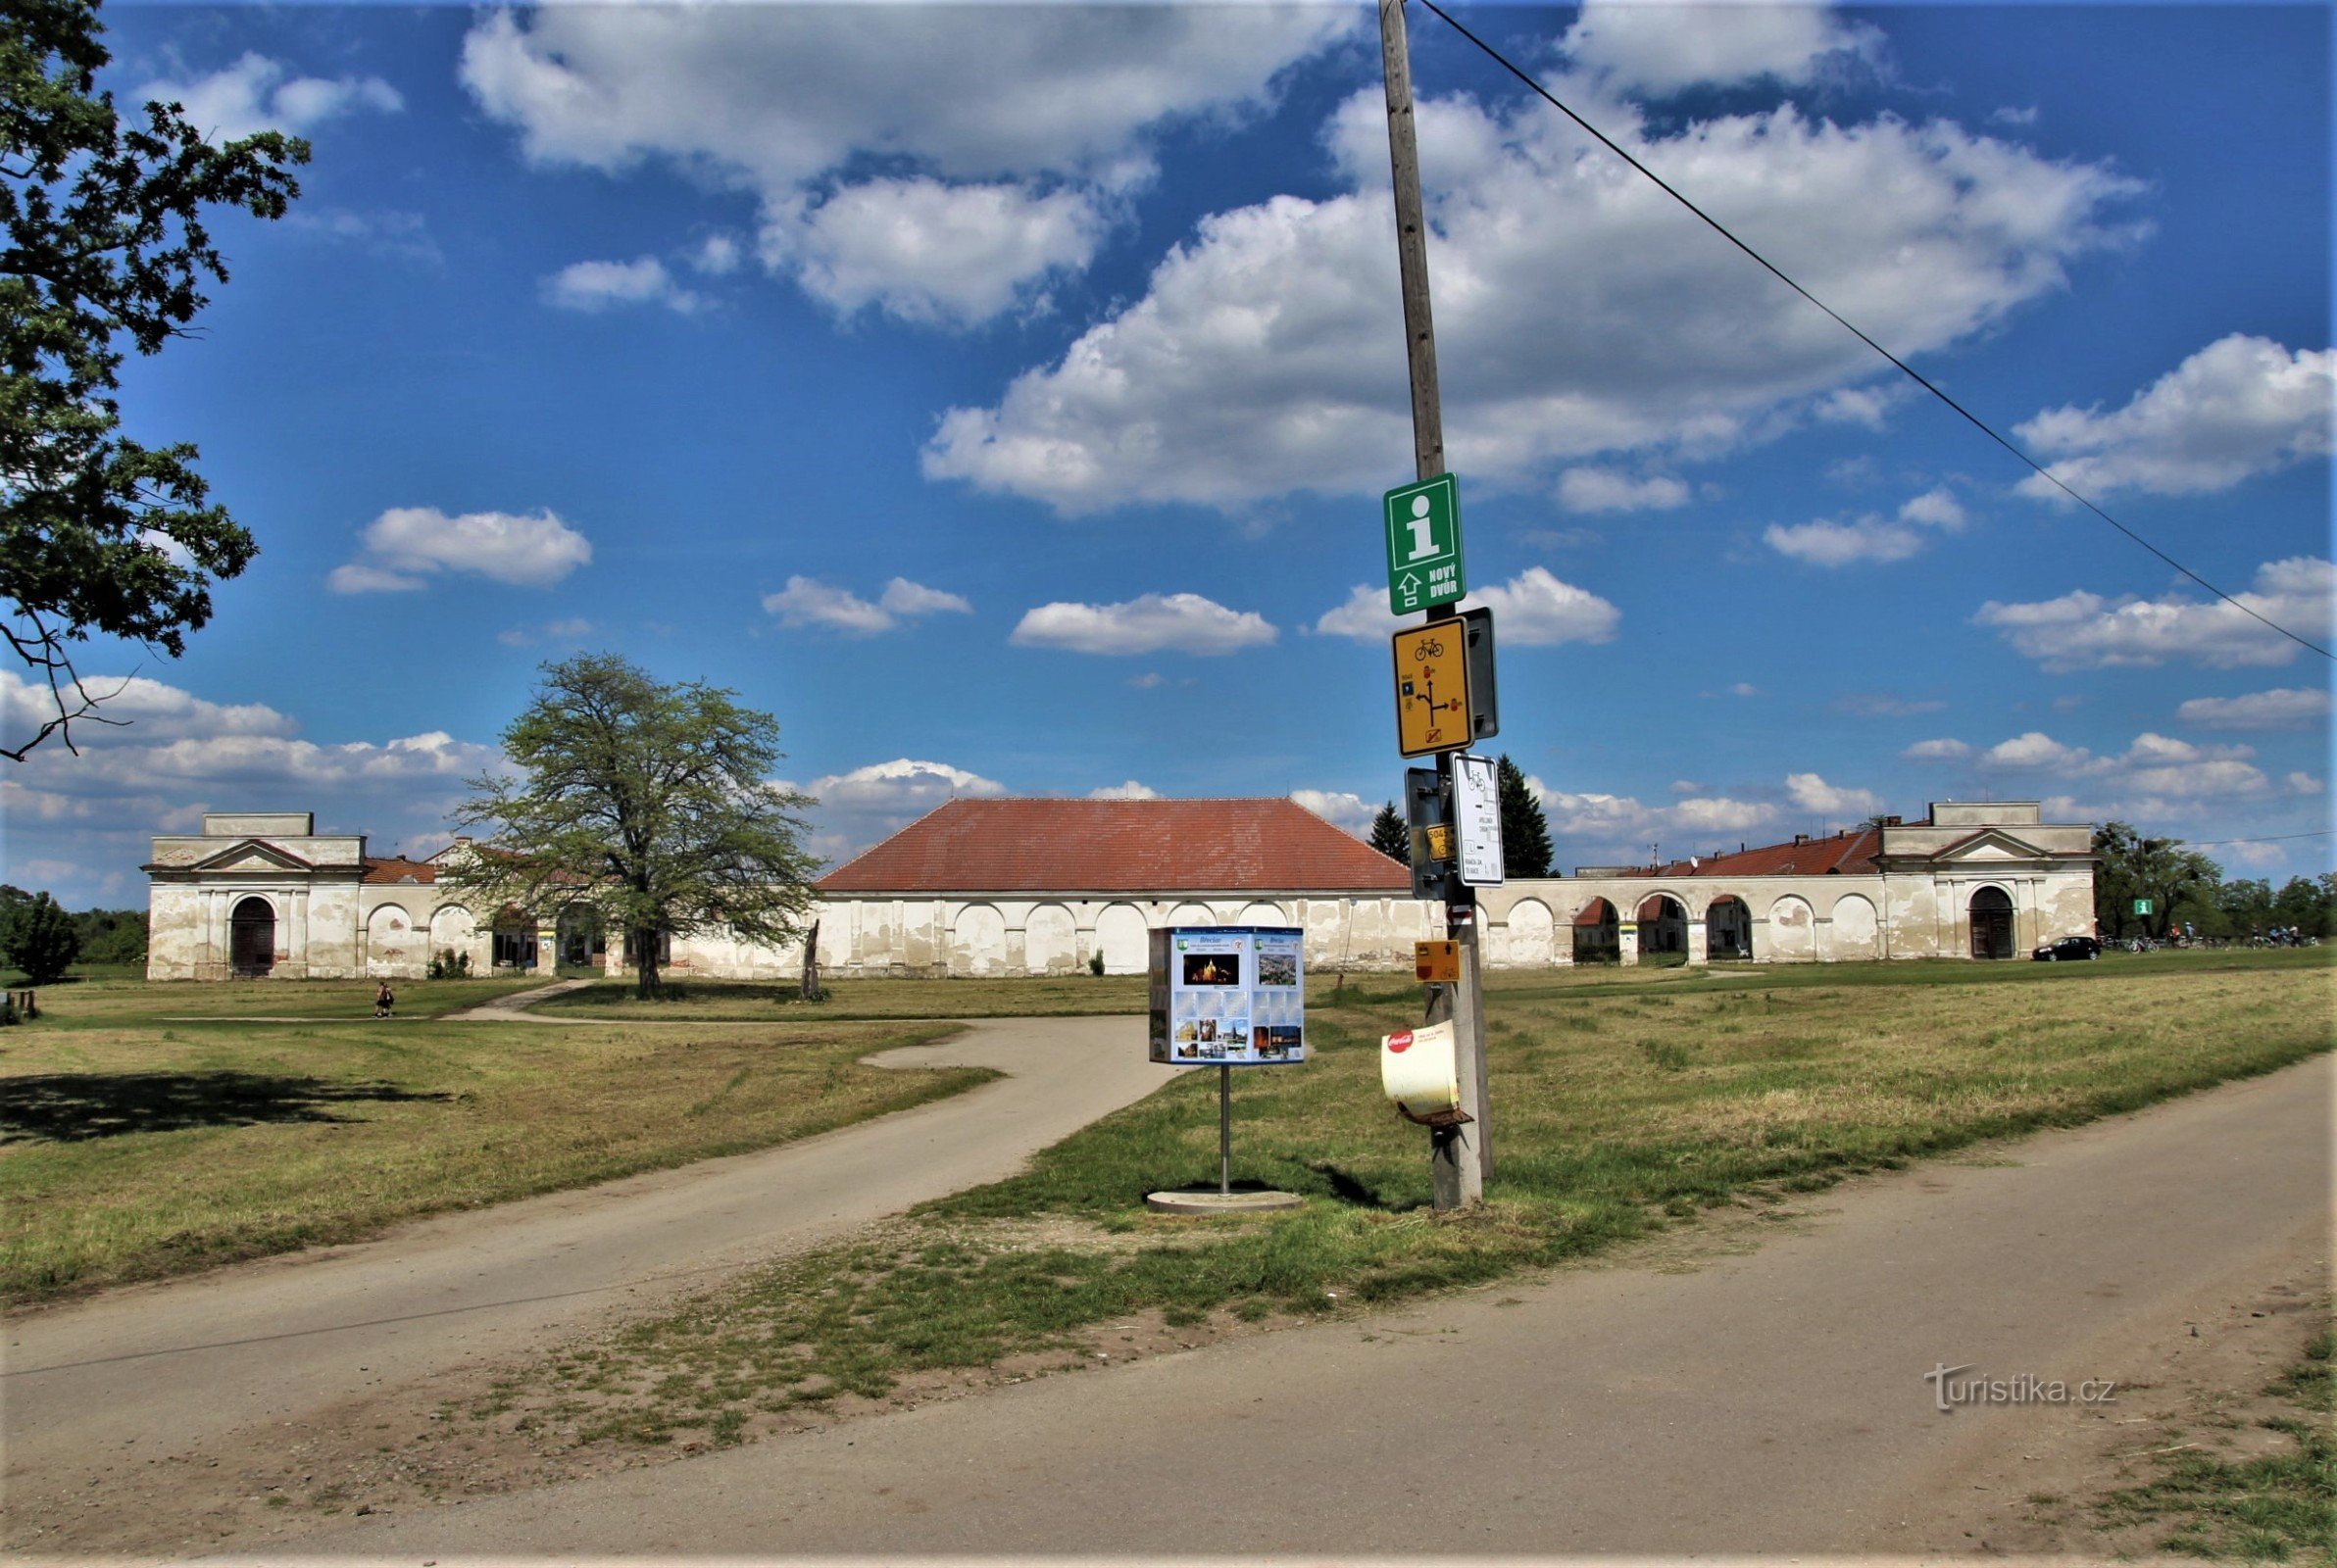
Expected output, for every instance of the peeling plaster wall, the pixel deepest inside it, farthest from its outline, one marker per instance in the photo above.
(1015, 935)
(1800, 919)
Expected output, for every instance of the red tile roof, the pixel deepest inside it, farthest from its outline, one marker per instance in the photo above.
(1851, 854)
(392, 869)
(1056, 846)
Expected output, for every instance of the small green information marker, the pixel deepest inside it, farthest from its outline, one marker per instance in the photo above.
(2142, 906)
(1424, 545)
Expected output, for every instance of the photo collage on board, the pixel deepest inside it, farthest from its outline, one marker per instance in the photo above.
(1234, 996)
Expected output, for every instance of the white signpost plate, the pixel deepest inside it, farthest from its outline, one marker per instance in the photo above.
(1476, 811)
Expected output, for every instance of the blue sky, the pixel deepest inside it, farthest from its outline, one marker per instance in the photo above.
(1002, 398)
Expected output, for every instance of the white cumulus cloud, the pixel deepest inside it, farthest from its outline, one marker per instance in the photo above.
(2282, 708)
(809, 602)
(1592, 316)
(1186, 622)
(867, 804)
(1661, 49)
(595, 286)
(1592, 489)
(257, 93)
(2082, 630)
(905, 597)
(1841, 544)
(1536, 609)
(1001, 145)
(1339, 808)
(1812, 792)
(1946, 749)
(2240, 407)
(922, 250)
(2154, 774)
(1129, 791)
(1870, 538)
(407, 545)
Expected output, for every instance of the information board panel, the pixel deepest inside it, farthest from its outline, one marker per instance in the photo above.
(1228, 996)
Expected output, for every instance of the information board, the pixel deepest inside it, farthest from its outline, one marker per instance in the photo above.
(1228, 996)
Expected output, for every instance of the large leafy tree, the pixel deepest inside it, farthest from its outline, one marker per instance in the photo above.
(1390, 836)
(651, 804)
(2128, 866)
(1524, 830)
(103, 249)
(38, 937)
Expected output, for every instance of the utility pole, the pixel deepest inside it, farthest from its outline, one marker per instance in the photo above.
(1461, 1156)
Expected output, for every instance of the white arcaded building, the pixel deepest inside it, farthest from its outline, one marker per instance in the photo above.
(1972, 880)
(1016, 887)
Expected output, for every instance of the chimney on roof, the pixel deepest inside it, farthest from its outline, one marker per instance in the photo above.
(1892, 821)
(1801, 839)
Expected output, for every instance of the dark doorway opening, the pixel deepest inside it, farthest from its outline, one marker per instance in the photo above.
(251, 939)
(1991, 924)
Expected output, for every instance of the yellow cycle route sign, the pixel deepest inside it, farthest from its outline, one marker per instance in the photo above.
(1431, 688)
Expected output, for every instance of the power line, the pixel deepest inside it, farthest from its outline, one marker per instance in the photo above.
(1910, 371)
(2277, 838)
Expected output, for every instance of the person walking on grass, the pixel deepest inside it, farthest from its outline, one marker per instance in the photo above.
(384, 999)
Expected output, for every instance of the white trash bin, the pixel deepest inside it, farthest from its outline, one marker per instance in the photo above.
(1420, 1069)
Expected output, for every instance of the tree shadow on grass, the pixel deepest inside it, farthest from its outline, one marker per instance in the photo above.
(75, 1107)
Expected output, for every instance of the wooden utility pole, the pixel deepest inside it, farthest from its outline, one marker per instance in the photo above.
(1460, 1158)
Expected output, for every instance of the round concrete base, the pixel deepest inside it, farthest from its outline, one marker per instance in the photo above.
(1204, 1202)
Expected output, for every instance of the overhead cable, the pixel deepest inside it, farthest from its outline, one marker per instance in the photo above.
(1910, 371)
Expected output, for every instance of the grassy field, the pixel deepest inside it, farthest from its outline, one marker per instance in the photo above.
(129, 1001)
(1623, 1100)
(133, 1146)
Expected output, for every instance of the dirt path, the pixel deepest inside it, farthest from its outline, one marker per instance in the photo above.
(118, 1410)
(1767, 1403)
(513, 1008)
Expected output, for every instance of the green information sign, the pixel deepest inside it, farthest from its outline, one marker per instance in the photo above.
(1424, 545)
(2142, 906)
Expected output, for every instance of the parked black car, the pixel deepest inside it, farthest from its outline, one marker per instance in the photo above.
(2067, 947)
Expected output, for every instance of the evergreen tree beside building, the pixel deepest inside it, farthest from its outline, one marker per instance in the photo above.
(1524, 831)
(1389, 835)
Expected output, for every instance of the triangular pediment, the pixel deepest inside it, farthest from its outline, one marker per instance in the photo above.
(253, 855)
(1989, 843)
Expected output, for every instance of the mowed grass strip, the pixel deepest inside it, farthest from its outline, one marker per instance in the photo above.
(128, 1002)
(1620, 1102)
(2277, 1507)
(759, 1000)
(133, 1152)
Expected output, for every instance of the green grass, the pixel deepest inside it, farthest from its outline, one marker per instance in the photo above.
(1619, 1101)
(134, 1003)
(133, 1148)
(2279, 1507)
(18, 980)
